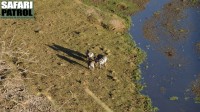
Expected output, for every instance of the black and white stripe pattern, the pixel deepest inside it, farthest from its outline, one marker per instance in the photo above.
(101, 59)
(91, 65)
(89, 55)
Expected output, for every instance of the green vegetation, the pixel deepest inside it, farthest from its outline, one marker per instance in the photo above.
(173, 98)
(122, 8)
(198, 46)
(197, 100)
(195, 1)
(196, 84)
(196, 90)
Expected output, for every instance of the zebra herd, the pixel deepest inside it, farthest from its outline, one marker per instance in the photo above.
(92, 60)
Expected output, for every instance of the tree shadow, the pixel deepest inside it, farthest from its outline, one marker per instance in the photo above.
(71, 53)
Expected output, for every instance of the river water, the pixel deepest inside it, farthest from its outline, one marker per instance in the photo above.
(165, 77)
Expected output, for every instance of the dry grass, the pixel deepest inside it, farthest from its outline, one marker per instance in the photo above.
(102, 104)
(4, 68)
(59, 37)
(14, 96)
(118, 25)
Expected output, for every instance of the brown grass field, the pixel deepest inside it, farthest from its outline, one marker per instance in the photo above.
(44, 69)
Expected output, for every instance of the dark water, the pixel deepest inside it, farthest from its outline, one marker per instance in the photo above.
(167, 77)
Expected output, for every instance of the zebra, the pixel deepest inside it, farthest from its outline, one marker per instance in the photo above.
(101, 59)
(91, 64)
(89, 55)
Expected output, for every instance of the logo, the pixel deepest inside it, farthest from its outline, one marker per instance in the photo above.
(17, 9)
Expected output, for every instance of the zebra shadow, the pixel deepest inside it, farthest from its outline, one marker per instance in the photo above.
(70, 54)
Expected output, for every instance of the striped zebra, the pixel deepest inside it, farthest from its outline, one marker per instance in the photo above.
(101, 60)
(91, 64)
(89, 55)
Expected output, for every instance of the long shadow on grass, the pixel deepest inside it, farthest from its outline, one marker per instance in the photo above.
(70, 53)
